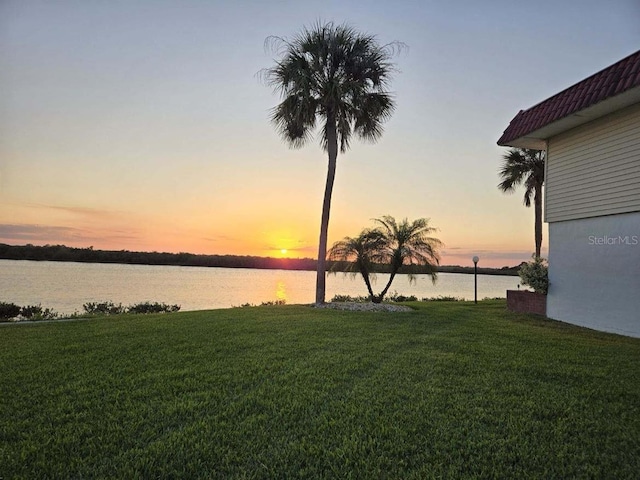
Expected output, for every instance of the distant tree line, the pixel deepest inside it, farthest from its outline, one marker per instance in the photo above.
(62, 253)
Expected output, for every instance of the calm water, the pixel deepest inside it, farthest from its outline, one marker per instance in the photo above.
(65, 287)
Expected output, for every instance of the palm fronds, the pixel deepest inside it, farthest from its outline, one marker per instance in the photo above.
(522, 167)
(331, 71)
(526, 167)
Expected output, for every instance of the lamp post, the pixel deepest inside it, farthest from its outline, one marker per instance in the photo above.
(475, 278)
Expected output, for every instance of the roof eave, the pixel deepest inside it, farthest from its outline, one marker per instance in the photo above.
(538, 138)
(528, 141)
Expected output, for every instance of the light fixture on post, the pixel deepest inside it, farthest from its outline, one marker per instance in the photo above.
(475, 278)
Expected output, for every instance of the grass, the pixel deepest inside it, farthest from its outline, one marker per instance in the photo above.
(451, 390)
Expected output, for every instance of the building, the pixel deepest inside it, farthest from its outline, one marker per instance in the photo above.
(591, 133)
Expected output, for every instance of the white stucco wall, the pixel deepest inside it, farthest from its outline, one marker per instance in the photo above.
(594, 273)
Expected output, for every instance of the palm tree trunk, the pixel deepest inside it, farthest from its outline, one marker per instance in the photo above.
(367, 282)
(386, 288)
(332, 149)
(537, 200)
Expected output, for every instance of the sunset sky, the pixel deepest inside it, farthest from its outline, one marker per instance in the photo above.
(142, 125)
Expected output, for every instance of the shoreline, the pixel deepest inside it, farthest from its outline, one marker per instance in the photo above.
(62, 253)
(510, 272)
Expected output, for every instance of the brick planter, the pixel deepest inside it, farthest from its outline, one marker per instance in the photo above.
(522, 301)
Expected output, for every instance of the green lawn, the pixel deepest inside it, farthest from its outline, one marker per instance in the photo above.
(451, 390)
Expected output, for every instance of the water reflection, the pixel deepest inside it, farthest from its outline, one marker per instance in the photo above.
(281, 291)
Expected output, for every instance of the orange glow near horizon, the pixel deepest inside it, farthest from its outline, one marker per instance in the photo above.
(233, 235)
(278, 243)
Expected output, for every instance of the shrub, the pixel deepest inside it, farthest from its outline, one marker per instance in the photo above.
(443, 298)
(103, 308)
(349, 298)
(269, 303)
(36, 312)
(535, 274)
(8, 310)
(155, 307)
(396, 297)
(273, 303)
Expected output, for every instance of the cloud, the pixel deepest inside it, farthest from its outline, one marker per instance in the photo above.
(301, 249)
(35, 232)
(488, 258)
(52, 234)
(488, 254)
(218, 238)
(78, 211)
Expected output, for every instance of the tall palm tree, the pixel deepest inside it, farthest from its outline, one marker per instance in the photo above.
(526, 166)
(359, 255)
(332, 75)
(408, 243)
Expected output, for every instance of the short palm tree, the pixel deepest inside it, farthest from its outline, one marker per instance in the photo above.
(409, 243)
(526, 166)
(359, 254)
(336, 77)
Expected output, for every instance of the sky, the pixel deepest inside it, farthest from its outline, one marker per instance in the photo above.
(143, 124)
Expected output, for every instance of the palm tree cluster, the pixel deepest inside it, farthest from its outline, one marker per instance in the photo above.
(391, 246)
(334, 76)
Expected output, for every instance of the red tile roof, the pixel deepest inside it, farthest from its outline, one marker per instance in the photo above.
(607, 83)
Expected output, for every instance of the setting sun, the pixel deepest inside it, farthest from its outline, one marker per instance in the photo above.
(283, 251)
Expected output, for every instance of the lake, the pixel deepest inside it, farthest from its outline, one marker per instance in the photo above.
(65, 287)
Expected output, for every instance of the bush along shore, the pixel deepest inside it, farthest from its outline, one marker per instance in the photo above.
(10, 312)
